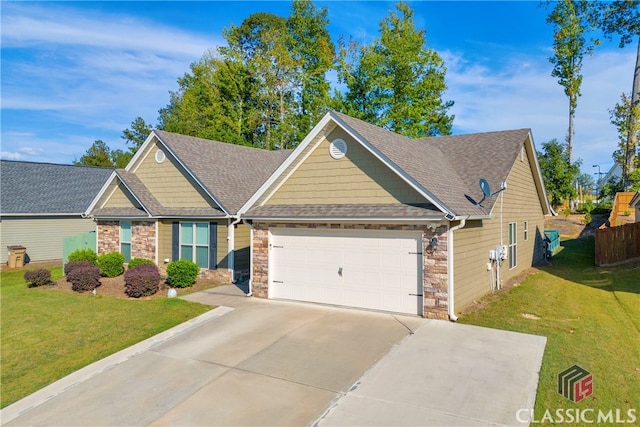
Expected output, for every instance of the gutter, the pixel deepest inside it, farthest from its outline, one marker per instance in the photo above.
(450, 304)
(231, 247)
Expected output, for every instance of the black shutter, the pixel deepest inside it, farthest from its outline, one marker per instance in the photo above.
(175, 241)
(213, 246)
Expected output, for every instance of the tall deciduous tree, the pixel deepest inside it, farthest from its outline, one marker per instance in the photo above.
(622, 18)
(624, 116)
(570, 23)
(558, 174)
(314, 54)
(397, 82)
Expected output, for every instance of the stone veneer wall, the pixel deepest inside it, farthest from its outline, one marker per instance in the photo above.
(435, 278)
(108, 237)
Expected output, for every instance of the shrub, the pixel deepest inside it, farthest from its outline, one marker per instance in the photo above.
(587, 218)
(84, 278)
(111, 264)
(182, 273)
(86, 254)
(35, 278)
(72, 265)
(566, 212)
(140, 261)
(626, 213)
(142, 280)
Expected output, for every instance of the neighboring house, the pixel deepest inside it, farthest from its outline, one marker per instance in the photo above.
(635, 204)
(360, 216)
(42, 204)
(178, 199)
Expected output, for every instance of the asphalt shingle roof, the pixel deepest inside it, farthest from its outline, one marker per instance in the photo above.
(362, 211)
(45, 188)
(448, 167)
(232, 173)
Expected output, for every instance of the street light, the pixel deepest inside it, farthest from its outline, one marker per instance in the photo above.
(598, 183)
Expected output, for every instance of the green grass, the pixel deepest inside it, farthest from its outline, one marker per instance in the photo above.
(590, 316)
(47, 334)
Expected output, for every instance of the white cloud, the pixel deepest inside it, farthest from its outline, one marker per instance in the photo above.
(522, 94)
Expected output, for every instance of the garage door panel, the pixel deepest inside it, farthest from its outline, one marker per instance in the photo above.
(378, 268)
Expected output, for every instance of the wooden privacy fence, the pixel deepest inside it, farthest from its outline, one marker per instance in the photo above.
(617, 244)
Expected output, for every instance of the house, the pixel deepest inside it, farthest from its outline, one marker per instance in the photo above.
(43, 203)
(635, 205)
(355, 216)
(178, 199)
(360, 216)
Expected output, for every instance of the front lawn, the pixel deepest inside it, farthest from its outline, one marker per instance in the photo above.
(47, 334)
(591, 318)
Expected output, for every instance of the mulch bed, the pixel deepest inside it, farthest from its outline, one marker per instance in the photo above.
(114, 287)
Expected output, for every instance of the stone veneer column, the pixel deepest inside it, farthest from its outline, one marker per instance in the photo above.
(143, 239)
(108, 237)
(435, 275)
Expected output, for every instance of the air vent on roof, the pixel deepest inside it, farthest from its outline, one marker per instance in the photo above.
(338, 148)
(160, 156)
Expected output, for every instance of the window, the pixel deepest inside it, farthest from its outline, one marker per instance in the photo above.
(125, 240)
(513, 250)
(526, 231)
(194, 242)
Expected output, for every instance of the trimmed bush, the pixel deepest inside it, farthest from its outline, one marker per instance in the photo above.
(111, 264)
(142, 280)
(182, 273)
(84, 278)
(140, 261)
(86, 254)
(35, 278)
(72, 265)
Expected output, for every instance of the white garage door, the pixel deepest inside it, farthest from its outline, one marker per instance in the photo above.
(378, 270)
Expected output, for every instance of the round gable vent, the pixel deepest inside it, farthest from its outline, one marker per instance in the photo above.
(338, 148)
(160, 156)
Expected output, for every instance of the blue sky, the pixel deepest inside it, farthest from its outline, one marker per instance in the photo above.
(76, 72)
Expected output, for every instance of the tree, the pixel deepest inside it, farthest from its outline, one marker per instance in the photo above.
(136, 134)
(314, 54)
(586, 182)
(396, 82)
(622, 17)
(570, 21)
(98, 154)
(557, 173)
(624, 116)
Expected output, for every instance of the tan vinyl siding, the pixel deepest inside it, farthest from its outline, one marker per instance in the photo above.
(165, 238)
(120, 199)
(42, 236)
(167, 182)
(473, 242)
(242, 235)
(359, 177)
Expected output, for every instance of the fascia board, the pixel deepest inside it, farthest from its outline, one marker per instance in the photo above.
(134, 196)
(283, 167)
(191, 174)
(538, 175)
(141, 150)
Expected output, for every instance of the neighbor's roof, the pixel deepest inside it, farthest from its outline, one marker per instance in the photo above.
(448, 167)
(232, 173)
(28, 188)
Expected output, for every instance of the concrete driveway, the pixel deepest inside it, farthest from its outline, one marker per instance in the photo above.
(260, 362)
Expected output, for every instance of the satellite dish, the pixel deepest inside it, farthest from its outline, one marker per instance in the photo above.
(486, 191)
(484, 186)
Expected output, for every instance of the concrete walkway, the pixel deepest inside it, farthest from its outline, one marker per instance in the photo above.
(258, 362)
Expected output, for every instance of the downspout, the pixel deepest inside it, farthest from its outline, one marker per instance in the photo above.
(249, 293)
(231, 247)
(450, 305)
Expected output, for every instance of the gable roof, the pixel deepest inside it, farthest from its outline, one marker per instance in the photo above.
(446, 169)
(231, 173)
(29, 188)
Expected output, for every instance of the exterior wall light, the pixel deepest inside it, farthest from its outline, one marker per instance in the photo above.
(434, 243)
